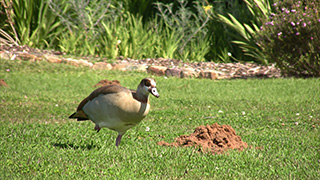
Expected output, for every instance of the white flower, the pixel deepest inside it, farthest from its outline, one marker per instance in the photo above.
(243, 113)
(119, 41)
(229, 54)
(220, 111)
(147, 129)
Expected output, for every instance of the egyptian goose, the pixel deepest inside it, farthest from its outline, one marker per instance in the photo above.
(116, 107)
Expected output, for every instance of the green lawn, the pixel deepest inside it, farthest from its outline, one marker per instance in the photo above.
(39, 141)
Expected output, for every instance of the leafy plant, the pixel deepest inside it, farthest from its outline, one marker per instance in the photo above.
(190, 28)
(168, 43)
(291, 37)
(6, 6)
(136, 39)
(71, 43)
(83, 21)
(32, 22)
(6, 39)
(245, 33)
(128, 38)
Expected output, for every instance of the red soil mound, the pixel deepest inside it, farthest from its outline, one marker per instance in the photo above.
(3, 83)
(215, 139)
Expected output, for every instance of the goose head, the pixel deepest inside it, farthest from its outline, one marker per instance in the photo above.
(146, 86)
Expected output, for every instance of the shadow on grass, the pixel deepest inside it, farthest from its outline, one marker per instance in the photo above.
(76, 147)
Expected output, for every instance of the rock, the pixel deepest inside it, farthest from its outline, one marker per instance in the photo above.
(176, 72)
(137, 67)
(213, 74)
(120, 67)
(70, 61)
(253, 70)
(28, 57)
(158, 70)
(85, 63)
(102, 66)
(5, 55)
(52, 59)
(189, 73)
(209, 74)
(77, 63)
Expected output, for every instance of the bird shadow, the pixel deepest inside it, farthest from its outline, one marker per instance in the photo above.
(75, 147)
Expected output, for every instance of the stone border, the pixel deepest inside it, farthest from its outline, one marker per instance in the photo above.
(160, 66)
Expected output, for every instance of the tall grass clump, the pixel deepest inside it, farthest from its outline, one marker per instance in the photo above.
(83, 21)
(190, 27)
(30, 22)
(291, 37)
(107, 29)
(129, 37)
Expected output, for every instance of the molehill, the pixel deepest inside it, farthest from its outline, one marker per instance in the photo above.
(214, 139)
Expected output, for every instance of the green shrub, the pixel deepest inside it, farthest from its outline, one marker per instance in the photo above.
(291, 37)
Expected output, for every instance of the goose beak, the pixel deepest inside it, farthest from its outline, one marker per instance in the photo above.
(154, 92)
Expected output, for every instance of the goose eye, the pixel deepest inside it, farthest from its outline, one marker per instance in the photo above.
(147, 83)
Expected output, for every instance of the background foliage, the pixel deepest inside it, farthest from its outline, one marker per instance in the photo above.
(174, 29)
(291, 37)
(189, 30)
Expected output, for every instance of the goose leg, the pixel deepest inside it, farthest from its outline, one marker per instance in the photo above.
(97, 128)
(118, 140)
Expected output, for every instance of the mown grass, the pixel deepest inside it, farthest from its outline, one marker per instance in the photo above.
(39, 141)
